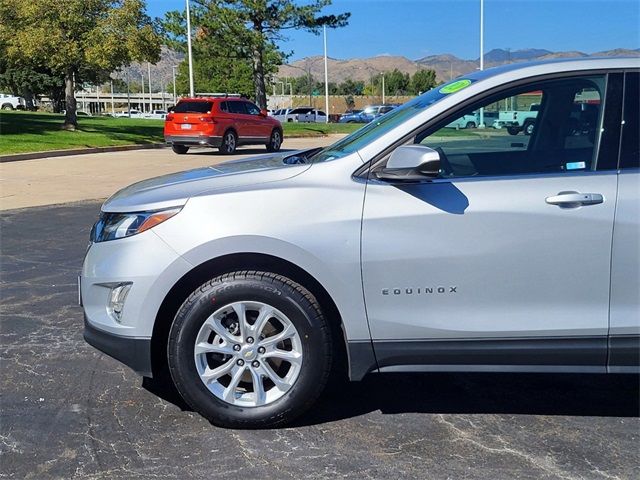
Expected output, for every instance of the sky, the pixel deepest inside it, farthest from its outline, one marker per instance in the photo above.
(418, 28)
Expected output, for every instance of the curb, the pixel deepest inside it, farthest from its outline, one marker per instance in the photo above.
(77, 151)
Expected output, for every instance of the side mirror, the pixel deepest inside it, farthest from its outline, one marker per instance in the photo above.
(411, 163)
(264, 112)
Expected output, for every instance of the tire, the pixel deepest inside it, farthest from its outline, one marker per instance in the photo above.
(229, 142)
(470, 125)
(513, 130)
(7, 106)
(211, 309)
(275, 142)
(179, 149)
(528, 128)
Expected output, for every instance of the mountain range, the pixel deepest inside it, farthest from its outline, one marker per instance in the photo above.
(447, 66)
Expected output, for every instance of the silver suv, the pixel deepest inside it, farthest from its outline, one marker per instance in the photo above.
(402, 247)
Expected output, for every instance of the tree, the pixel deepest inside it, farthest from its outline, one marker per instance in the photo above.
(250, 29)
(351, 87)
(396, 82)
(28, 81)
(423, 81)
(80, 40)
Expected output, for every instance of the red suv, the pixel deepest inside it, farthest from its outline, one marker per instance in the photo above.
(223, 122)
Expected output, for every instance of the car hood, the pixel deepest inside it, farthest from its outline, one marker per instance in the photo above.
(176, 188)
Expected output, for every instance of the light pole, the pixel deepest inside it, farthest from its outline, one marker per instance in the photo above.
(142, 94)
(382, 74)
(481, 123)
(97, 98)
(326, 76)
(113, 108)
(191, 88)
(128, 97)
(173, 69)
(150, 94)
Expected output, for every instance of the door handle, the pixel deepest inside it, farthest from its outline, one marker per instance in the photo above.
(574, 199)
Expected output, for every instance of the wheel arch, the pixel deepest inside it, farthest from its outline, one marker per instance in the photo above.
(242, 261)
(230, 128)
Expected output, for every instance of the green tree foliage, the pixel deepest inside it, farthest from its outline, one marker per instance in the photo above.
(79, 40)
(241, 34)
(423, 81)
(396, 82)
(27, 81)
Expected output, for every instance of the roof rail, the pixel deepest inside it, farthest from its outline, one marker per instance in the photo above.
(205, 94)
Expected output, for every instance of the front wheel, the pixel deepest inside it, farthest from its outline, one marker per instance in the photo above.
(7, 106)
(250, 350)
(275, 142)
(528, 128)
(229, 143)
(179, 149)
(513, 130)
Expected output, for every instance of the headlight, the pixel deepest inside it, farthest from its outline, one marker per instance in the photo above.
(111, 226)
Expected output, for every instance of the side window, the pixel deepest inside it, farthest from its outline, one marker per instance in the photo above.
(321, 113)
(251, 108)
(236, 107)
(630, 146)
(542, 128)
(224, 107)
(385, 109)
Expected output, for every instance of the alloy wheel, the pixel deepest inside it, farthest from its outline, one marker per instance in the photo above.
(248, 354)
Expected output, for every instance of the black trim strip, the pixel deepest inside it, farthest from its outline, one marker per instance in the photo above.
(624, 351)
(582, 351)
(361, 359)
(135, 353)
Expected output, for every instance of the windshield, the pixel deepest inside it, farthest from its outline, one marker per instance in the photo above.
(387, 122)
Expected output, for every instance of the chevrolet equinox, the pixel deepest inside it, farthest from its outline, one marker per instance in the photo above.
(405, 246)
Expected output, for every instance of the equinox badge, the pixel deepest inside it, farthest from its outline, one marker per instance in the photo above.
(420, 291)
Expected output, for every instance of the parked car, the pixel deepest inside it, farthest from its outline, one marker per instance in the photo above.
(223, 122)
(395, 249)
(301, 114)
(281, 114)
(311, 116)
(465, 121)
(368, 114)
(133, 113)
(12, 102)
(156, 114)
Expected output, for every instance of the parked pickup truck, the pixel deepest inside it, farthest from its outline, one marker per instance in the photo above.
(517, 121)
(11, 102)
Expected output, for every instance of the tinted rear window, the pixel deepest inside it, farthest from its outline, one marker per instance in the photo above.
(193, 107)
(236, 107)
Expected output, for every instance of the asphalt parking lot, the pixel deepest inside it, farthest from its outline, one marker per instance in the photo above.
(69, 411)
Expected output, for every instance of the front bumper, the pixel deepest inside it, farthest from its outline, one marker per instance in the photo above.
(152, 268)
(135, 353)
(194, 140)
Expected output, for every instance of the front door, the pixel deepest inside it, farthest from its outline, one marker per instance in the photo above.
(505, 258)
